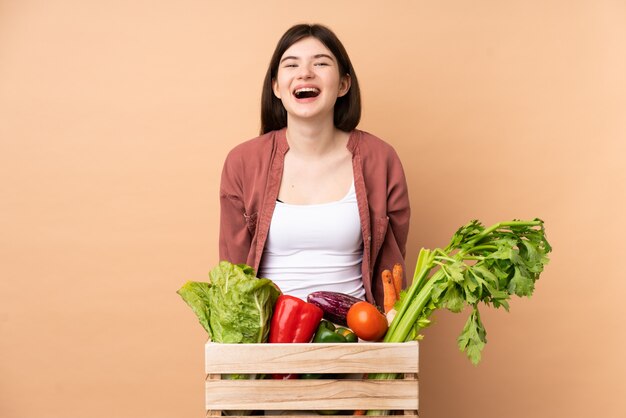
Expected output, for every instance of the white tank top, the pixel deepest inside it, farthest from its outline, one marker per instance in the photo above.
(315, 247)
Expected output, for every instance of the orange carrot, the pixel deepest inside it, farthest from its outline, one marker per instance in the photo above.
(389, 291)
(397, 278)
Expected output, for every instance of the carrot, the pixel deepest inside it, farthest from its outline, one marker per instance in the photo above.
(397, 278)
(389, 291)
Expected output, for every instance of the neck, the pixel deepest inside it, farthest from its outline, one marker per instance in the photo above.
(312, 139)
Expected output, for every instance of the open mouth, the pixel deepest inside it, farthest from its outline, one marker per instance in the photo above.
(306, 92)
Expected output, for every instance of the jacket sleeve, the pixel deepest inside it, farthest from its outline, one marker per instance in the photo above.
(393, 249)
(234, 238)
(398, 205)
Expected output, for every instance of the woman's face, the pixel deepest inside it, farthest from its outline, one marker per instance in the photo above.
(308, 81)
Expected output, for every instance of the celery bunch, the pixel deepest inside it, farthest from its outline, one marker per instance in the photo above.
(480, 264)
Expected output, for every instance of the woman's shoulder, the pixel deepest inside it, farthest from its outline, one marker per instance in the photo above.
(251, 150)
(380, 156)
(253, 145)
(372, 145)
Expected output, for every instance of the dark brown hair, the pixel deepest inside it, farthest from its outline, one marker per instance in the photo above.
(347, 107)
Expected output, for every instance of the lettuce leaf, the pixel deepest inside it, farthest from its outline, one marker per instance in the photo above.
(235, 306)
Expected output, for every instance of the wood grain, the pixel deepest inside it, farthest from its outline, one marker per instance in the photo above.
(311, 394)
(344, 392)
(312, 358)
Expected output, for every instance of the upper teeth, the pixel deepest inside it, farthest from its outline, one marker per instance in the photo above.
(302, 90)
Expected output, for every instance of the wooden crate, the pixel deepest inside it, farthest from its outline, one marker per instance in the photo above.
(345, 394)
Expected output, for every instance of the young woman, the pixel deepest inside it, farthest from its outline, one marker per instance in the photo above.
(314, 203)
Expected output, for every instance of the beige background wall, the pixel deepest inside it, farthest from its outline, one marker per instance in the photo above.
(115, 118)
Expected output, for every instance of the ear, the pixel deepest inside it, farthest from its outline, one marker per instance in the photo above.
(344, 85)
(275, 88)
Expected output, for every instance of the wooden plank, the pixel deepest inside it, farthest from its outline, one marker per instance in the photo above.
(311, 358)
(213, 412)
(412, 377)
(331, 394)
(315, 414)
(283, 414)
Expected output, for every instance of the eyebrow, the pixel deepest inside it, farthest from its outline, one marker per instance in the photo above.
(314, 56)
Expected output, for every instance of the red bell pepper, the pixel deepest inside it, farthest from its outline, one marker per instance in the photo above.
(294, 321)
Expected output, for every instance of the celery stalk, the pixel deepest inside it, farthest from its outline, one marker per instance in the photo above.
(480, 264)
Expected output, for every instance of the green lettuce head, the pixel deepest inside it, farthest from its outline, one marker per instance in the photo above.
(236, 306)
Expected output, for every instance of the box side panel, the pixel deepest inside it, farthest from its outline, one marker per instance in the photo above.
(311, 358)
(311, 394)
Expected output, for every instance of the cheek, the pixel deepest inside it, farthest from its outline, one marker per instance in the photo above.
(280, 87)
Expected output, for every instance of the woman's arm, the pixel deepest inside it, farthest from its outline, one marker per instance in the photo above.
(234, 238)
(393, 249)
(398, 205)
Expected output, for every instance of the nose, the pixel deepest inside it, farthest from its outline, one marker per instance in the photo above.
(306, 72)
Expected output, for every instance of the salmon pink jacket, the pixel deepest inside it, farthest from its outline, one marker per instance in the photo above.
(250, 181)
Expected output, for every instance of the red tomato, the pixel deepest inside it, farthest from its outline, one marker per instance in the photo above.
(367, 322)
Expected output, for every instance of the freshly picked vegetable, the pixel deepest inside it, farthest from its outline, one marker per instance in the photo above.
(334, 304)
(327, 332)
(480, 264)
(366, 321)
(487, 265)
(294, 321)
(392, 288)
(235, 306)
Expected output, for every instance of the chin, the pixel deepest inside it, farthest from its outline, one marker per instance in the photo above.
(310, 113)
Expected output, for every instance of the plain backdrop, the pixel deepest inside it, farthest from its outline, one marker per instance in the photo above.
(116, 116)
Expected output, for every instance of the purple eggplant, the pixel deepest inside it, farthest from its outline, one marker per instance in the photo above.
(334, 304)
